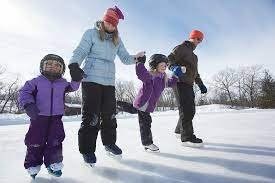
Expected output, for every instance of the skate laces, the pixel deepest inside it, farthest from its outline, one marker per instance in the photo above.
(56, 166)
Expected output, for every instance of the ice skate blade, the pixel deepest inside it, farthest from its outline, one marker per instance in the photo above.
(90, 164)
(33, 176)
(178, 135)
(190, 144)
(55, 175)
(117, 157)
(151, 151)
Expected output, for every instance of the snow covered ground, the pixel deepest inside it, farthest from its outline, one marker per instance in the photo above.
(239, 147)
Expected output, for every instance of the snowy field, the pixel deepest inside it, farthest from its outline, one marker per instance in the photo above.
(239, 147)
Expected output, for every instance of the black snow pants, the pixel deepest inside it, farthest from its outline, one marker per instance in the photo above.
(185, 98)
(98, 113)
(145, 120)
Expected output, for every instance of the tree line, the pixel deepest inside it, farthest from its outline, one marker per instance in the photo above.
(251, 86)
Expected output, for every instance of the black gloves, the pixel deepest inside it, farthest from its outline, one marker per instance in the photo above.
(141, 59)
(203, 88)
(77, 74)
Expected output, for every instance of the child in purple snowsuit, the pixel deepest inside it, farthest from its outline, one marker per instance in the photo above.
(43, 100)
(154, 82)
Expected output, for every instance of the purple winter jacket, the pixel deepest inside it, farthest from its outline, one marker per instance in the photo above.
(151, 89)
(49, 96)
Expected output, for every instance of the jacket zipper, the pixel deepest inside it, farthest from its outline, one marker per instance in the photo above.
(52, 99)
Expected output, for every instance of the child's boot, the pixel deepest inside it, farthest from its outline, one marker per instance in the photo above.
(90, 158)
(55, 169)
(33, 171)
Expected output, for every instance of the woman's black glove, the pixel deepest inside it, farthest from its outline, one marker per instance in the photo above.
(76, 72)
(141, 59)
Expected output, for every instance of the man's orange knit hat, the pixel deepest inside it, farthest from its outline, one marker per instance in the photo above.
(196, 34)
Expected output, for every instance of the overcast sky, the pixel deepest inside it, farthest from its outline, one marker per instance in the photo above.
(237, 33)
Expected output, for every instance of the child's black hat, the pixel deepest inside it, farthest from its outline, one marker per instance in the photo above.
(155, 59)
(52, 57)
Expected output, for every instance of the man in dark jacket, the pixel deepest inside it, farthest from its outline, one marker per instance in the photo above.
(183, 55)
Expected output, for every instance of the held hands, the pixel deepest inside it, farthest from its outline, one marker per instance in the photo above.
(177, 70)
(203, 88)
(76, 73)
(31, 110)
(139, 54)
(141, 59)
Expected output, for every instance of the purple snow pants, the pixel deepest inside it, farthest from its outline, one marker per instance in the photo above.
(44, 140)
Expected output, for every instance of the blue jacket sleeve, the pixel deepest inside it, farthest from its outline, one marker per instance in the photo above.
(83, 49)
(123, 54)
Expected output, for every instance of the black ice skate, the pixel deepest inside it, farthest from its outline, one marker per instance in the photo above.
(114, 151)
(90, 158)
(193, 141)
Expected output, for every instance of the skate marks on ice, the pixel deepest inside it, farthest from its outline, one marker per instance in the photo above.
(233, 148)
(155, 172)
(135, 171)
(133, 176)
(265, 171)
(52, 179)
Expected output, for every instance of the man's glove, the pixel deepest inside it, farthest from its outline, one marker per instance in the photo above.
(141, 59)
(177, 71)
(76, 73)
(31, 110)
(203, 88)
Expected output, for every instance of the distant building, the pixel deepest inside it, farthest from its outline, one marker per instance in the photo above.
(72, 109)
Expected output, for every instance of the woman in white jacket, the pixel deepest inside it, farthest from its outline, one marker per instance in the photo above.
(99, 47)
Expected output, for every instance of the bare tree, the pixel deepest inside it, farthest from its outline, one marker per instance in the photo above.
(166, 100)
(130, 93)
(125, 91)
(2, 84)
(16, 104)
(171, 100)
(10, 92)
(242, 100)
(202, 99)
(252, 83)
(267, 99)
(73, 97)
(224, 82)
(120, 90)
